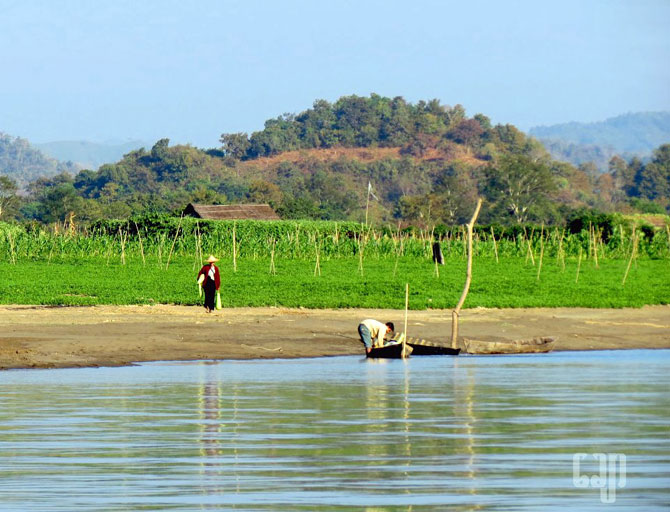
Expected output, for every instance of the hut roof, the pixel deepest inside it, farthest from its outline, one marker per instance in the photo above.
(231, 211)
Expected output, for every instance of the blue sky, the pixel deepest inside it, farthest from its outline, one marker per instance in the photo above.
(191, 70)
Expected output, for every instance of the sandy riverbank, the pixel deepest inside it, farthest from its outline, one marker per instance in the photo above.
(45, 337)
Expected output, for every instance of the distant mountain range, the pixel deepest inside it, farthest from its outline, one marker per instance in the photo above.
(89, 155)
(628, 135)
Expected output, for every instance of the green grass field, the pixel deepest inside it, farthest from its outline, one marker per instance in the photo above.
(511, 283)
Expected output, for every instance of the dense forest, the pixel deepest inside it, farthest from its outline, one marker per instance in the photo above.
(422, 163)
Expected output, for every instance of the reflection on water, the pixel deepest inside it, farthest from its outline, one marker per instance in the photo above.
(463, 433)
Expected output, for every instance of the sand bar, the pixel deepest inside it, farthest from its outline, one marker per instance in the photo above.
(57, 337)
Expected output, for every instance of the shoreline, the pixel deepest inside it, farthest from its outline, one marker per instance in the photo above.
(91, 336)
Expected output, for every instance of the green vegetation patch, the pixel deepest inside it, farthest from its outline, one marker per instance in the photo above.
(510, 283)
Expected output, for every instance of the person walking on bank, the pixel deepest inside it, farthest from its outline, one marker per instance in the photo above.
(210, 280)
(372, 329)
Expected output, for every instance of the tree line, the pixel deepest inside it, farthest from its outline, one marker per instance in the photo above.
(426, 164)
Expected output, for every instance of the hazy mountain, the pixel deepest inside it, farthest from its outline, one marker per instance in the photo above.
(627, 135)
(24, 163)
(89, 155)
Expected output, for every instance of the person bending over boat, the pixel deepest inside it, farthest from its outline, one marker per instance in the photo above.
(372, 329)
(210, 280)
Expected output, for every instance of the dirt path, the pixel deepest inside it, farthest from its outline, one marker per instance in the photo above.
(46, 337)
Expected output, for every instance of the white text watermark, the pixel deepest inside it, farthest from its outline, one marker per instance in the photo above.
(608, 473)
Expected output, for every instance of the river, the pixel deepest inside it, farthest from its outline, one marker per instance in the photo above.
(464, 433)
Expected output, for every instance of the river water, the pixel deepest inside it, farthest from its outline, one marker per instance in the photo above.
(430, 433)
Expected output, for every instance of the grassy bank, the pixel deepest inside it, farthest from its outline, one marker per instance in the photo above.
(513, 282)
(156, 261)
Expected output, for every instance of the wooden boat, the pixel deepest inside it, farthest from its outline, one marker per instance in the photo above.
(502, 346)
(393, 350)
(421, 347)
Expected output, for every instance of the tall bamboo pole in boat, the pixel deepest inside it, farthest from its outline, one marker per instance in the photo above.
(468, 278)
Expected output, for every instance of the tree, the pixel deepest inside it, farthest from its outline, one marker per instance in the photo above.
(8, 199)
(518, 184)
(159, 150)
(262, 191)
(235, 145)
(468, 131)
(653, 179)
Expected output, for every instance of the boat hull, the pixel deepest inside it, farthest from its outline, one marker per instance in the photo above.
(525, 346)
(391, 351)
(425, 349)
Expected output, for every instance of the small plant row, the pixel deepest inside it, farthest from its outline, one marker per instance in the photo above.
(167, 238)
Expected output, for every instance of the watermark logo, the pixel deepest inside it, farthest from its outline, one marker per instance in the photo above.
(610, 476)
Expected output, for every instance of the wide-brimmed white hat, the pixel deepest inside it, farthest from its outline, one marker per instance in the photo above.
(212, 259)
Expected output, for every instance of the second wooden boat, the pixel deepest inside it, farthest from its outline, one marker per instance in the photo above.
(502, 346)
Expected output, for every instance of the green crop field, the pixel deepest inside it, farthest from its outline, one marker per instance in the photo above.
(275, 264)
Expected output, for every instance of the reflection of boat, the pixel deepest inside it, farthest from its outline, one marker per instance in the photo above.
(428, 348)
(502, 346)
(393, 350)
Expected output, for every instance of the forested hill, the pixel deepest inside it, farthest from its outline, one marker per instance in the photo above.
(425, 163)
(23, 163)
(628, 135)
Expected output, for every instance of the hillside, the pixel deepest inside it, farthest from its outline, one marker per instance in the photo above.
(425, 163)
(22, 162)
(628, 135)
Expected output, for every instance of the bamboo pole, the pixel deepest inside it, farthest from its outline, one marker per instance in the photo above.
(144, 263)
(198, 244)
(123, 246)
(579, 263)
(468, 278)
(633, 253)
(160, 250)
(167, 263)
(234, 249)
(595, 248)
(397, 257)
(495, 245)
(317, 265)
(530, 251)
(539, 266)
(560, 256)
(465, 242)
(273, 270)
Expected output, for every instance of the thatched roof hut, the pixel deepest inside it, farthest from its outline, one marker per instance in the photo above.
(231, 211)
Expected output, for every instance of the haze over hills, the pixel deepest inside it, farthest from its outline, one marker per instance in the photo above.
(89, 155)
(23, 162)
(627, 135)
